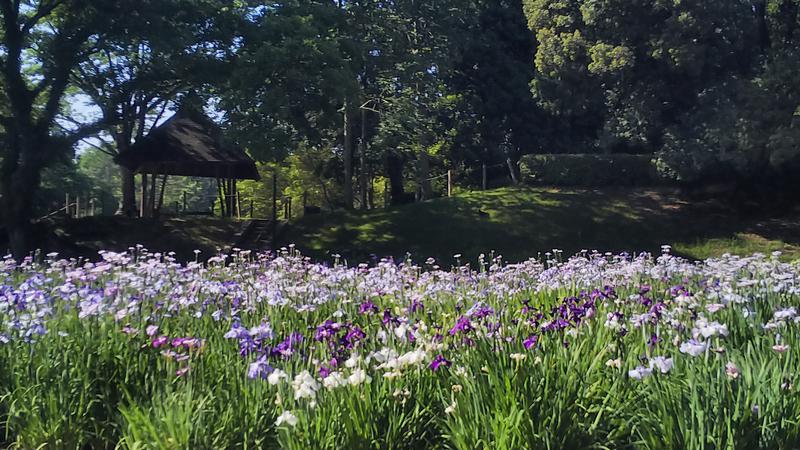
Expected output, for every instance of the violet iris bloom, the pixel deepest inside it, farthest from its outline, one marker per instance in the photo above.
(463, 325)
(531, 341)
(368, 307)
(438, 362)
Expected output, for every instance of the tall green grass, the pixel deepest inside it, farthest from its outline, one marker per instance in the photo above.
(87, 383)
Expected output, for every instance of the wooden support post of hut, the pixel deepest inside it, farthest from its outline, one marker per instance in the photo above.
(188, 144)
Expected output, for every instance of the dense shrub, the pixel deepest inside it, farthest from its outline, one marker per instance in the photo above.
(590, 170)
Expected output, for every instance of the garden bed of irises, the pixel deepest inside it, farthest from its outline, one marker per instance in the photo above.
(136, 350)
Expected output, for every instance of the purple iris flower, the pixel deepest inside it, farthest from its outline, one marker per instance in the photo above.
(556, 325)
(479, 311)
(259, 369)
(160, 341)
(354, 336)
(531, 341)
(327, 330)
(679, 290)
(655, 310)
(368, 307)
(324, 371)
(237, 332)
(463, 325)
(288, 346)
(263, 331)
(388, 319)
(439, 361)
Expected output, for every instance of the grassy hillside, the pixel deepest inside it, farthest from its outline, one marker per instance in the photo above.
(521, 222)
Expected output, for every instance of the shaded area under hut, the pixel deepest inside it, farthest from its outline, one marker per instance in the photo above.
(188, 144)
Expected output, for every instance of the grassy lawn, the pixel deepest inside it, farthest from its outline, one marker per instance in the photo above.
(522, 222)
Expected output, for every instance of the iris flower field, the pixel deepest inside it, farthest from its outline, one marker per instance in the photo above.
(138, 351)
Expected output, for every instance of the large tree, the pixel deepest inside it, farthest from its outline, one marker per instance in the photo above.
(497, 120)
(291, 83)
(143, 68)
(620, 72)
(42, 42)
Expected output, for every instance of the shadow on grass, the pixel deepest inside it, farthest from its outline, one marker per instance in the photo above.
(182, 235)
(517, 223)
(521, 222)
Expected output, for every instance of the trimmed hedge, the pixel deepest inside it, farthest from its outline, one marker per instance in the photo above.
(590, 170)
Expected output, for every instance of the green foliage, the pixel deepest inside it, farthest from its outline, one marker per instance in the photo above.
(290, 78)
(589, 170)
(685, 80)
(57, 180)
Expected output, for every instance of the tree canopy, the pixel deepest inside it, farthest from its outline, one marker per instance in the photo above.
(350, 96)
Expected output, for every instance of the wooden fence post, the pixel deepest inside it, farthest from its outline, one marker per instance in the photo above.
(274, 197)
(483, 177)
(387, 200)
(449, 183)
(143, 203)
(238, 201)
(152, 198)
(274, 208)
(66, 205)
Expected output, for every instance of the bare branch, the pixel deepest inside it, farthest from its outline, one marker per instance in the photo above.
(159, 116)
(104, 150)
(87, 131)
(44, 10)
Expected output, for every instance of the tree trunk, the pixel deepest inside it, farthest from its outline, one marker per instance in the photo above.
(371, 191)
(760, 9)
(512, 170)
(362, 160)
(348, 160)
(394, 170)
(128, 205)
(18, 191)
(423, 175)
(788, 12)
(143, 198)
(152, 199)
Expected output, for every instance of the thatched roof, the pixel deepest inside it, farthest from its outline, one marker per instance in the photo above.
(188, 144)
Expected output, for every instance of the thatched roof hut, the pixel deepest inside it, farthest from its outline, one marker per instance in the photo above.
(189, 144)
